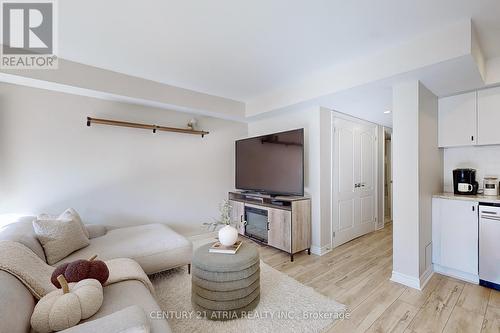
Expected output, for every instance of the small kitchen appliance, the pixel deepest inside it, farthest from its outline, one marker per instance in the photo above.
(464, 181)
(490, 186)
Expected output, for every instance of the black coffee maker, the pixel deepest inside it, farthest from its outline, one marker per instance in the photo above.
(464, 181)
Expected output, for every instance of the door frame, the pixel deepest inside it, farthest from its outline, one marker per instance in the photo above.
(390, 193)
(333, 179)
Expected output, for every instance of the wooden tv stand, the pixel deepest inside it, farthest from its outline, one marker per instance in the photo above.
(288, 220)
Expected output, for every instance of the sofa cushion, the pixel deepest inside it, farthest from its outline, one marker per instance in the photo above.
(59, 238)
(129, 320)
(121, 295)
(16, 304)
(95, 230)
(22, 231)
(155, 247)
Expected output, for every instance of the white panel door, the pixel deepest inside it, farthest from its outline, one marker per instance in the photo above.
(488, 116)
(354, 180)
(367, 170)
(457, 120)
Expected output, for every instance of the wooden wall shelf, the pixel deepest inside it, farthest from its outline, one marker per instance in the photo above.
(154, 128)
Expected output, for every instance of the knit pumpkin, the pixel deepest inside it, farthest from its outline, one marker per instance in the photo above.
(64, 308)
(81, 269)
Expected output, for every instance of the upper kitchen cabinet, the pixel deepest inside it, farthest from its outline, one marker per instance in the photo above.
(488, 116)
(457, 120)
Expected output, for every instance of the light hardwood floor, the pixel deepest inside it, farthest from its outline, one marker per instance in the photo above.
(357, 274)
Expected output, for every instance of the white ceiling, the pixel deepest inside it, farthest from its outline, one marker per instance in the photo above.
(242, 49)
(369, 101)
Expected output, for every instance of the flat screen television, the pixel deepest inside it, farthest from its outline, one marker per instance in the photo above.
(271, 164)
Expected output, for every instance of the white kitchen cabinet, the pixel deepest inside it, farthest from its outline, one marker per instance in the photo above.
(488, 116)
(457, 120)
(455, 238)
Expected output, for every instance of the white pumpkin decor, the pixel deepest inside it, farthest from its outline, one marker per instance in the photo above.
(228, 235)
(66, 307)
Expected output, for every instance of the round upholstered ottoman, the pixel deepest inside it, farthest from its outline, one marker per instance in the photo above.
(225, 285)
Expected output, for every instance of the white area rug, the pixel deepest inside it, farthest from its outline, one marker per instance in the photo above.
(285, 306)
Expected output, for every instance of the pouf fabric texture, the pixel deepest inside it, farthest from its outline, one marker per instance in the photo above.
(246, 256)
(224, 285)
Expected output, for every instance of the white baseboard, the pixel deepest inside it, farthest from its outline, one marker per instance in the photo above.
(411, 281)
(319, 251)
(424, 278)
(406, 280)
(472, 278)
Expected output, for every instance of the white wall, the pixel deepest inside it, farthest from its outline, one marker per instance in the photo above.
(326, 151)
(50, 160)
(430, 175)
(485, 159)
(405, 181)
(417, 165)
(309, 119)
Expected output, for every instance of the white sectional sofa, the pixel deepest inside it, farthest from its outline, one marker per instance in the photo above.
(155, 247)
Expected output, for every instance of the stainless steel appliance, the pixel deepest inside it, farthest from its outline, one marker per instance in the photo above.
(464, 181)
(489, 245)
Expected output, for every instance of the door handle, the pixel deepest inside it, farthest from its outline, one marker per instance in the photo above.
(268, 226)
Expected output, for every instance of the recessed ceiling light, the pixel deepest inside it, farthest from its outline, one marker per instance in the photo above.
(387, 111)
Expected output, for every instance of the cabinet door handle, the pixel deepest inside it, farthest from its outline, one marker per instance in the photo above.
(268, 226)
(472, 138)
(473, 208)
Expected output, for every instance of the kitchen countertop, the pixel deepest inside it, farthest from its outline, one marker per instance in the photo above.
(478, 197)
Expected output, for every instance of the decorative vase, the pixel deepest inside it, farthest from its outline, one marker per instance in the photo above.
(228, 235)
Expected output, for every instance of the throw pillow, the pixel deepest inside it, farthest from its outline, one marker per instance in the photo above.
(59, 237)
(68, 214)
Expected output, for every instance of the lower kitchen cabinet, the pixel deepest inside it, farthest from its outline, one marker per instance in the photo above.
(455, 238)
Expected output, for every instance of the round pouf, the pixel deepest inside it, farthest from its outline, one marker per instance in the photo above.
(224, 286)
